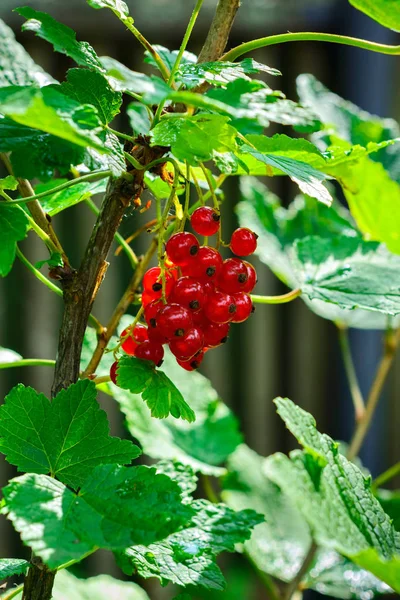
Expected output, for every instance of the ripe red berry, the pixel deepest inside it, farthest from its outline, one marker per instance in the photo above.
(150, 351)
(243, 242)
(147, 298)
(220, 308)
(151, 311)
(135, 337)
(252, 277)
(200, 319)
(113, 372)
(189, 293)
(187, 346)
(244, 307)
(206, 266)
(233, 277)
(181, 247)
(173, 320)
(193, 363)
(215, 334)
(205, 220)
(152, 282)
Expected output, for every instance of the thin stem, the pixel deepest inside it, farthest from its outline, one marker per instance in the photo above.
(178, 60)
(147, 46)
(38, 274)
(133, 259)
(358, 400)
(276, 299)
(123, 136)
(135, 163)
(294, 584)
(306, 36)
(209, 490)
(386, 476)
(28, 362)
(63, 186)
(15, 592)
(74, 561)
(103, 379)
(219, 31)
(210, 185)
(391, 343)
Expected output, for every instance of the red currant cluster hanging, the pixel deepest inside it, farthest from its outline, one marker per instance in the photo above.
(190, 302)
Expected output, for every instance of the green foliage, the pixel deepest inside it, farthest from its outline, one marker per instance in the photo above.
(12, 566)
(66, 438)
(14, 227)
(102, 587)
(7, 356)
(220, 73)
(123, 79)
(386, 12)
(118, 7)
(55, 260)
(139, 118)
(169, 57)
(59, 201)
(160, 394)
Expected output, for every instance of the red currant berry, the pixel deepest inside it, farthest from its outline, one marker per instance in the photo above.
(147, 298)
(151, 310)
(209, 288)
(135, 337)
(252, 277)
(189, 293)
(113, 372)
(215, 334)
(155, 336)
(187, 346)
(153, 285)
(243, 241)
(233, 277)
(205, 220)
(150, 351)
(244, 307)
(200, 319)
(181, 247)
(220, 308)
(193, 363)
(206, 266)
(173, 320)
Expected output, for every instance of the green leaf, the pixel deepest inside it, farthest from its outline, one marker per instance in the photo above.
(386, 12)
(16, 66)
(7, 356)
(350, 273)
(195, 139)
(59, 201)
(116, 507)
(169, 57)
(102, 587)
(12, 566)
(55, 260)
(279, 545)
(220, 73)
(160, 394)
(119, 8)
(122, 79)
(184, 476)
(338, 505)
(91, 87)
(255, 101)
(14, 227)
(139, 118)
(49, 111)
(66, 438)
(390, 502)
(62, 38)
(188, 556)
(114, 161)
(8, 183)
(204, 445)
(47, 153)
(293, 158)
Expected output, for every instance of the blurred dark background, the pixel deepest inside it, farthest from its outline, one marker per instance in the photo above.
(283, 350)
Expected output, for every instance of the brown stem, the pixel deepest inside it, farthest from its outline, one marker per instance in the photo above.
(38, 584)
(218, 34)
(120, 310)
(391, 342)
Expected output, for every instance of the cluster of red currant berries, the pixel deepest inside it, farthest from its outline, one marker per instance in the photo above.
(203, 294)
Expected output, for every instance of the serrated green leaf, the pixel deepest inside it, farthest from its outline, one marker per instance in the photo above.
(339, 507)
(122, 79)
(197, 138)
(113, 161)
(14, 227)
(220, 73)
(8, 183)
(188, 556)
(119, 8)
(91, 87)
(59, 201)
(55, 260)
(7, 355)
(62, 38)
(67, 437)
(102, 587)
(279, 545)
(386, 12)
(16, 66)
(51, 112)
(138, 118)
(350, 273)
(184, 476)
(12, 566)
(116, 507)
(169, 57)
(160, 394)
